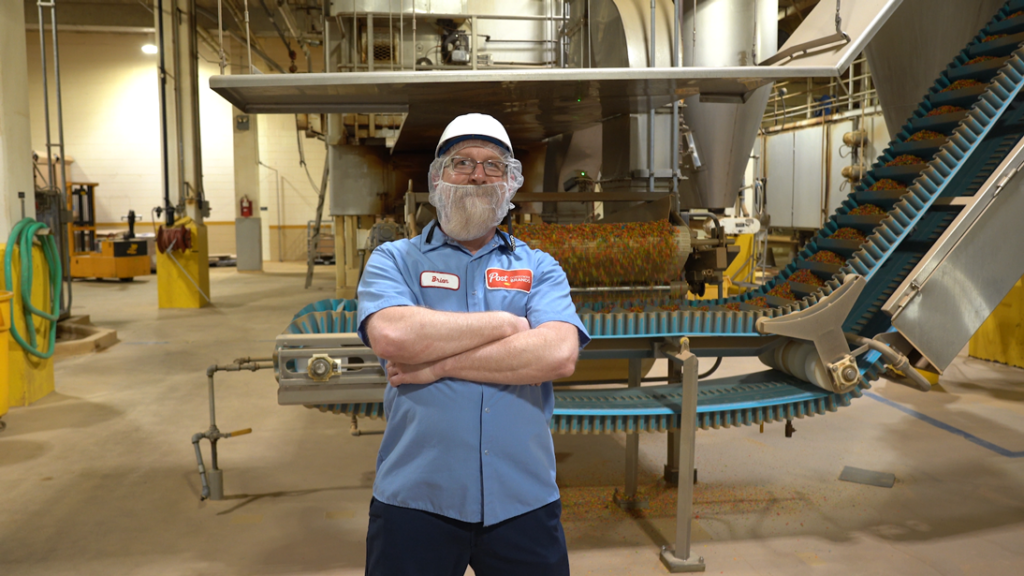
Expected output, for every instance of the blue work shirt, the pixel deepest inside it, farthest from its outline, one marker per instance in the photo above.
(466, 450)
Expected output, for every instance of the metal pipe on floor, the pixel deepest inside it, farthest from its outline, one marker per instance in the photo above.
(202, 469)
(213, 479)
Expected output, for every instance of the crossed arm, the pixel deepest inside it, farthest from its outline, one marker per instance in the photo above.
(423, 346)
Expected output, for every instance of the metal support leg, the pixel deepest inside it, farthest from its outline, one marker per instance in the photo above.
(672, 459)
(678, 559)
(675, 376)
(628, 499)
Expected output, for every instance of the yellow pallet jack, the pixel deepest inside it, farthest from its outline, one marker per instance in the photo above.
(92, 257)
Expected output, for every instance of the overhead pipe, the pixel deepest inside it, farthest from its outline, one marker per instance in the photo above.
(650, 112)
(263, 55)
(178, 121)
(676, 62)
(293, 27)
(197, 141)
(220, 33)
(168, 208)
(255, 48)
(327, 34)
(280, 33)
(51, 170)
(52, 164)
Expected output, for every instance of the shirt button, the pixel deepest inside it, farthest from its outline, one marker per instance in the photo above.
(487, 410)
(486, 453)
(474, 292)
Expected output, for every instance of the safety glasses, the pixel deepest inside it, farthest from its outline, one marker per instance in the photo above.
(462, 165)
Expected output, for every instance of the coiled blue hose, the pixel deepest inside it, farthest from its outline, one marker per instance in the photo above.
(21, 236)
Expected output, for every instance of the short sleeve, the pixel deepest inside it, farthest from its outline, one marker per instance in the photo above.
(382, 285)
(549, 299)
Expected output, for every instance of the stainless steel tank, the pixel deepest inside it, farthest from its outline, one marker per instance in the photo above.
(726, 33)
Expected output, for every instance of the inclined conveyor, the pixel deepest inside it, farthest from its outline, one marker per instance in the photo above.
(958, 167)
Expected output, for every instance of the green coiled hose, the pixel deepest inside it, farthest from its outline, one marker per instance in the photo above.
(21, 236)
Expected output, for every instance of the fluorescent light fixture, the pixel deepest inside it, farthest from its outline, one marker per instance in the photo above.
(149, 49)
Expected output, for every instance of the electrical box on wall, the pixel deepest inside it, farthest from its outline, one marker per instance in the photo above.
(242, 122)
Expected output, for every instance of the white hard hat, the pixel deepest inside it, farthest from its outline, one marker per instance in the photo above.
(473, 127)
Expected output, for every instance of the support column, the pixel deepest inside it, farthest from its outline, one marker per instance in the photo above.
(671, 471)
(346, 256)
(183, 278)
(23, 378)
(628, 499)
(15, 135)
(678, 558)
(357, 180)
(248, 229)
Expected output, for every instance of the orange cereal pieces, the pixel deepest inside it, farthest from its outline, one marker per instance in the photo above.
(979, 60)
(925, 135)
(961, 84)
(827, 257)
(806, 277)
(867, 210)
(848, 234)
(905, 160)
(784, 291)
(945, 110)
(887, 184)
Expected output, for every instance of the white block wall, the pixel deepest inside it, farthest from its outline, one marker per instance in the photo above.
(279, 149)
(112, 130)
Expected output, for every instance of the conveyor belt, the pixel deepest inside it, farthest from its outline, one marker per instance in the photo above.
(977, 142)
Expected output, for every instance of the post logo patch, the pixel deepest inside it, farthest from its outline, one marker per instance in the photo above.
(429, 279)
(501, 279)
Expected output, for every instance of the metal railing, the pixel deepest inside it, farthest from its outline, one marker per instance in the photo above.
(803, 99)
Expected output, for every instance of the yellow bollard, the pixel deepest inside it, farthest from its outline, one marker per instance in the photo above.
(5, 327)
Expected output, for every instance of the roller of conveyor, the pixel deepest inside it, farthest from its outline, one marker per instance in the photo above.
(978, 140)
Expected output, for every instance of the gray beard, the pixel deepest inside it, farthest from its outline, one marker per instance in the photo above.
(468, 212)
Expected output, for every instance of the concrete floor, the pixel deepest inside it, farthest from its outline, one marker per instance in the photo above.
(100, 477)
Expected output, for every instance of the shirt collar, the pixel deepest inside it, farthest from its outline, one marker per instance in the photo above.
(440, 239)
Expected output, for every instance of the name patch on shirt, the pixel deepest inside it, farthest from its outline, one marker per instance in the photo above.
(500, 279)
(430, 279)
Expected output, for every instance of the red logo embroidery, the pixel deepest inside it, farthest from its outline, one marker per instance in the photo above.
(430, 279)
(499, 279)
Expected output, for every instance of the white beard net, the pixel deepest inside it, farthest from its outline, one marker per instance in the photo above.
(468, 211)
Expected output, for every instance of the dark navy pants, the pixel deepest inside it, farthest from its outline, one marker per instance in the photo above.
(403, 541)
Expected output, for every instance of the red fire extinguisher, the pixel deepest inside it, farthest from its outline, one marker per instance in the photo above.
(246, 205)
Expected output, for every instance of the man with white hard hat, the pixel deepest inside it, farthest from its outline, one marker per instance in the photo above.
(471, 329)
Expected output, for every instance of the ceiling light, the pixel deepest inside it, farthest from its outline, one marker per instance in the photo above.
(149, 49)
